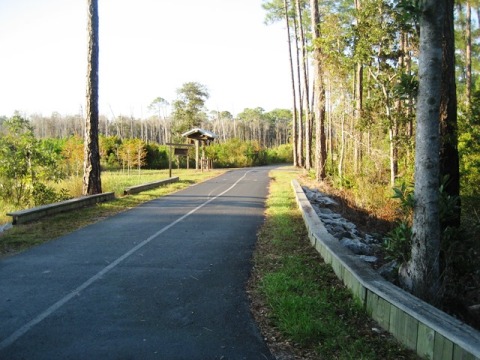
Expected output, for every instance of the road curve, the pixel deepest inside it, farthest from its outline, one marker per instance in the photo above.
(165, 280)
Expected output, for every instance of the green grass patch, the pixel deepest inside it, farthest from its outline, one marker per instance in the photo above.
(23, 236)
(305, 301)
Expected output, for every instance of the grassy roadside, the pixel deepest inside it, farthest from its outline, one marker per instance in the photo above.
(24, 236)
(300, 305)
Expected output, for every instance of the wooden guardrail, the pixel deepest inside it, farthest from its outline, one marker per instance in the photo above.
(32, 214)
(421, 327)
(151, 185)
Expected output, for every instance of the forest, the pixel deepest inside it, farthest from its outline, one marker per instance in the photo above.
(386, 105)
(353, 123)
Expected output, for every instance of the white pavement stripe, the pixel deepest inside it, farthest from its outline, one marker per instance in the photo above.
(42, 316)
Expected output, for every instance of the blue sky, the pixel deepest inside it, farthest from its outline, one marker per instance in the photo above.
(148, 48)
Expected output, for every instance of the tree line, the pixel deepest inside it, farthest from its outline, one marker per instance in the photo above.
(29, 165)
(268, 128)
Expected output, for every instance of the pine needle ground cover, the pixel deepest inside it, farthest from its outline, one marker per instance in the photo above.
(301, 306)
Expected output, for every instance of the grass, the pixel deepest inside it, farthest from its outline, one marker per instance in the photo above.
(298, 297)
(21, 237)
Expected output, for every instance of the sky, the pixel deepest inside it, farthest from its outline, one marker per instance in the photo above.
(148, 49)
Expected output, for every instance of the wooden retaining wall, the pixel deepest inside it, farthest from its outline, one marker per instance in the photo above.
(423, 328)
(151, 185)
(32, 214)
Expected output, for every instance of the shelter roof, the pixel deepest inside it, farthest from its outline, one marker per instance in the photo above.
(200, 134)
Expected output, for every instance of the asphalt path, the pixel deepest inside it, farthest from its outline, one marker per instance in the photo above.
(165, 280)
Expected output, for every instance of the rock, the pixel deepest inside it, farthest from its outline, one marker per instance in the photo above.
(368, 259)
(389, 271)
(348, 225)
(308, 193)
(338, 232)
(325, 200)
(318, 197)
(328, 220)
(326, 211)
(369, 239)
(362, 245)
(356, 246)
(328, 216)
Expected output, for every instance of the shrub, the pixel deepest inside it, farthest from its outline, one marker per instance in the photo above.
(157, 156)
(238, 153)
(26, 164)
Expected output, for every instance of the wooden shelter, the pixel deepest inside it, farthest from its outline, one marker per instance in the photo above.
(197, 136)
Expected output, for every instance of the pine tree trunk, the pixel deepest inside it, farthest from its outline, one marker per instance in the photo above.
(91, 175)
(319, 93)
(330, 128)
(294, 93)
(300, 99)
(449, 159)
(393, 133)
(358, 108)
(468, 55)
(422, 273)
(306, 92)
(342, 150)
(358, 118)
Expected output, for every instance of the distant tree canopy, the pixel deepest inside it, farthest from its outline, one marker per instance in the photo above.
(188, 109)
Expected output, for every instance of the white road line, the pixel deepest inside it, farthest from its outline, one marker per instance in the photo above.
(25, 328)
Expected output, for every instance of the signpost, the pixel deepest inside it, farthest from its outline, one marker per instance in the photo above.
(179, 150)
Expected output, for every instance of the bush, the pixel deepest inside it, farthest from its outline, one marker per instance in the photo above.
(237, 153)
(232, 153)
(282, 154)
(157, 156)
(26, 164)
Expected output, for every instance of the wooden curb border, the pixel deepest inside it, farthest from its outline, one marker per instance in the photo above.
(32, 214)
(421, 327)
(151, 185)
(35, 213)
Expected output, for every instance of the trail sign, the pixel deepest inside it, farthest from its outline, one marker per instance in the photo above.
(180, 152)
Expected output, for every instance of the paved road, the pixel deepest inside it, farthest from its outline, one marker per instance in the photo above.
(165, 280)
